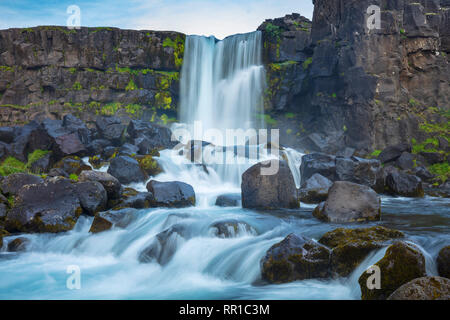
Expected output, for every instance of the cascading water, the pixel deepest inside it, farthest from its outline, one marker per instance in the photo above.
(222, 84)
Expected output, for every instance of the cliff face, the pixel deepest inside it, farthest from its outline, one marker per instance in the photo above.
(351, 86)
(52, 71)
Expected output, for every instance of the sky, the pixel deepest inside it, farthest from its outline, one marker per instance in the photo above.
(203, 17)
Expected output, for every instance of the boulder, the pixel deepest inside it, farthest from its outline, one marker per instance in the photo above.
(315, 189)
(392, 153)
(72, 165)
(405, 161)
(228, 200)
(58, 172)
(349, 202)
(149, 165)
(231, 229)
(351, 246)
(64, 141)
(140, 200)
(295, 258)
(423, 174)
(52, 206)
(357, 170)
(7, 134)
(92, 195)
(78, 127)
(171, 194)
(425, 288)
(164, 246)
(110, 128)
(320, 163)
(128, 149)
(402, 263)
(443, 262)
(11, 184)
(18, 244)
(126, 170)
(433, 157)
(97, 146)
(43, 164)
(150, 136)
(104, 221)
(403, 184)
(112, 185)
(270, 191)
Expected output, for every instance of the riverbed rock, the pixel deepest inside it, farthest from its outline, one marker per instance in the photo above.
(443, 262)
(126, 170)
(92, 195)
(149, 165)
(402, 263)
(140, 200)
(165, 245)
(110, 128)
(18, 245)
(72, 165)
(11, 184)
(104, 221)
(320, 163)
(403, 184)
(52, 206)
(269, 191)
(433, 157)
(172, 194)
(405, 161)
(349, 202)
(295, 258)
(228, 200)
(43, 164)
(150, 136)
(425, 288)
(351, 246)
(231, 229)
(111, 184)
(357, 170)
(315, 189)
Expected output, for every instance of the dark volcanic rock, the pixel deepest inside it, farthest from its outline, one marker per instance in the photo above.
(402, 263)
(52, 206)
(433, 157)
(231, 229)
(295, 258)
(351, 246)
(425, 288)
(392, 153)
(112, 185)
(11, 184)
(357, 170)
(403, 184)
(315, 189)
(443, 262)
(164, 246)
(150, 136)
(171, 194)
(349, 202)
(104, 221)
(110, 128)
(92, 196)
(320, 163)
(140, 200)
(264, 189)
(405, 161)
(18, 244)
(228, 200)
(72, 165)
(126, 170)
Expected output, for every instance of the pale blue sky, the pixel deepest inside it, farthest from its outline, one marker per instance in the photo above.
(205, 17)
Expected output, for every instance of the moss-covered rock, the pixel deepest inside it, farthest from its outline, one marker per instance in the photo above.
(295, 258)
(96, 162)
(149, 165)
(425, 288)
(402, 263)
(104, 221)
(72, 165)
(351, 246)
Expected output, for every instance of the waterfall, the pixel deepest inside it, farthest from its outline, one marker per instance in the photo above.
(222, 82)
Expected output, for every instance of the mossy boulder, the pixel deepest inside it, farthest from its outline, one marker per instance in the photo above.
(403, 184)
(112, 185)
(402, 263)
(133, 199)
(425, 288)
(351, 246)
(174, 194)
(315, 189)
(97, 162)
(52, 206)
(11, 184)
(443, 262)
(295, 258)
(149, 165)
(127, 170)
(92, 195)
(18, 244)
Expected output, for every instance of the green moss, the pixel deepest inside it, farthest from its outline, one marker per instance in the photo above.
(131, 86)
(11, 165)
(267, 119)
(375, 154)
(35, 156)
(273, 30)
(307, 63)
(6, 69)
(110, 109)
(77, 86)
(289, 115)
(73, 177)
(178, 46)
(149, 165)
(97, 29)
(441, 170)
